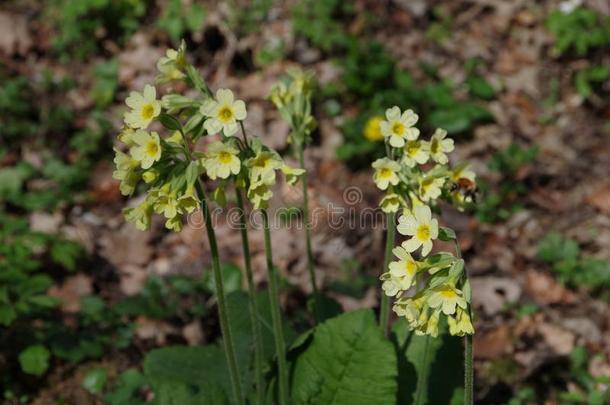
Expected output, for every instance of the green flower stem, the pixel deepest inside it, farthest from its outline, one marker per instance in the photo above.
(310, 258)
(256, 327)
(384, 314)
(420, 388)
(276, 316)
(468, 353)
(468, 371)
(220, 296)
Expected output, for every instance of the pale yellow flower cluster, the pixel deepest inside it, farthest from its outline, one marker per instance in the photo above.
(166, 160)
(415, 175)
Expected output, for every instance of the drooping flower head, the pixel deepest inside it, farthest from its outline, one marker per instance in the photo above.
(386, 173)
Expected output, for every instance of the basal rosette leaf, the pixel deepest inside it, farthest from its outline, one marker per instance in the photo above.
(347, 362)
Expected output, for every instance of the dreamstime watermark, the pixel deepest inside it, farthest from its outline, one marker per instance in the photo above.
(336, 216)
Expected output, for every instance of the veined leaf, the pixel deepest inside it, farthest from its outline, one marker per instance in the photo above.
(347, 362)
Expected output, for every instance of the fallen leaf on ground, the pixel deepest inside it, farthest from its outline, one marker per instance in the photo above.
(14, 35)
(71, 291)
(493, 343)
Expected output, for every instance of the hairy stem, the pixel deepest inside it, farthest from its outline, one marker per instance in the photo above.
(310, 258)
(384, 314)
(468, 371)
(468, 353)
(254, 320)
(220, 296)
(276, 316)
(421, 385)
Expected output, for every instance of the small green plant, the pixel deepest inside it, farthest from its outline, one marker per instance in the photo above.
(582, 32)
(573, 267)
(319, 21)
(177, 19)
(82, 25)
(584, 388)
(499, 204)
(66, 153)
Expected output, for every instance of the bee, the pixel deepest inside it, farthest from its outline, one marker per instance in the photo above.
(467, 187)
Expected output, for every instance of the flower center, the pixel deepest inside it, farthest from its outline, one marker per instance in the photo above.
(225, 114)
(412, 148)
(152, 149)
(148, 111)
(385, 172)
(448, 293)
(434, 146)
(398, 128)
(410, 267)
(225, 157)
(423, 232)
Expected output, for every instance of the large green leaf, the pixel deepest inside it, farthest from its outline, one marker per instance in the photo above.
(180, 371)
(347, 362)
(419, 358)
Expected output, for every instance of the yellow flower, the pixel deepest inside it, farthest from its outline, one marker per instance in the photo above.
(140, 215)
(144, 108)
(439, 146)
(172, 65)
(432, 324)
(126, 171)
(390, 203)
(174, 223)
(385, 173)
(165, 201)
(292, 174)
(372, 129)
(126, 134)
(462, 171)
(422, 228)
(412, 309)
(221, 161)
(280, 96)
(150, 175)
(146, 149)
(415, 152)
(399, 127)
(188, 201)
(263, 167)
(176, 138)
(402, 273)
(430, 188)
(460, 324)
(258, 194)
(446, 297)
(223, 113)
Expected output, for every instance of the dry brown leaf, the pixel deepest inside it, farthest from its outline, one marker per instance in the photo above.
(545, 290)
(493, 343)
(558, 339)
(14, 34)
(71, 291)
(46, 223)
(193, 333)
(154, 329)
(600, 198)
(493, 293)
(128, 245)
